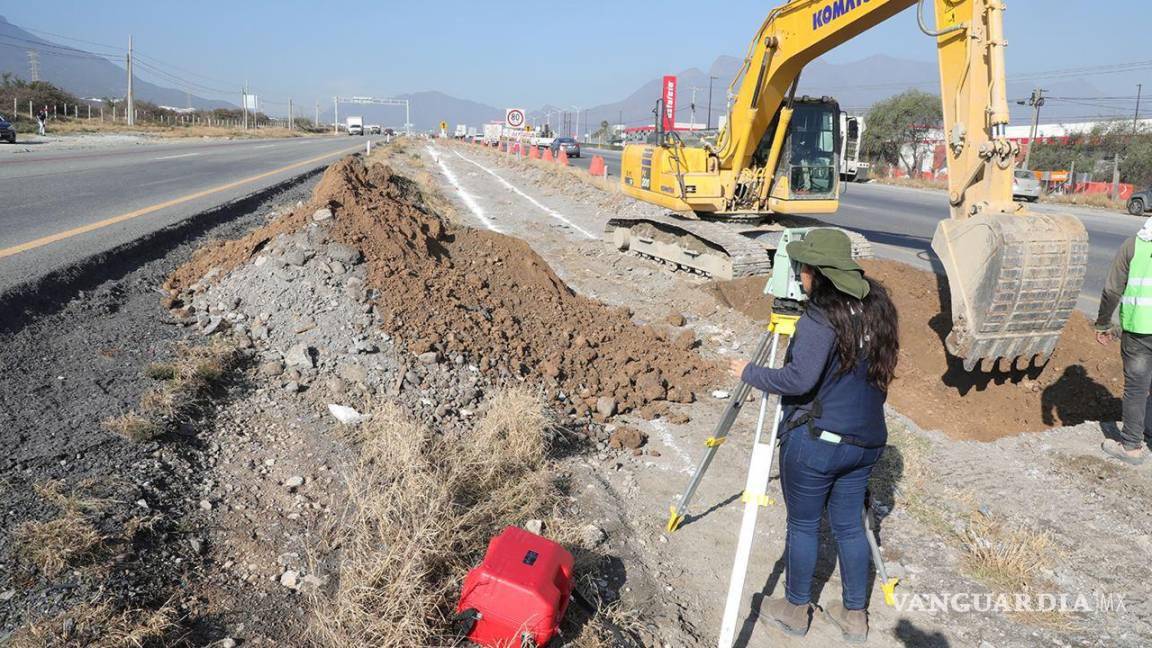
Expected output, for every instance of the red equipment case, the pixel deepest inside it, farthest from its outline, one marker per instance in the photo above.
(519, 594)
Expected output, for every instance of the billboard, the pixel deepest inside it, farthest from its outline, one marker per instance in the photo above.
(669, 91)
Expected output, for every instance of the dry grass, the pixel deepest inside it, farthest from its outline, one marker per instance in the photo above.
(916, 183)
(420, 511)
(83, 126)
(1100, 201)
(1005, 556)
(69, 540)
(98, 626)
(57, 544)
(187, 384)
(133, 427)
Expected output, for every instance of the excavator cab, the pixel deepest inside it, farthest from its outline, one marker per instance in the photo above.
(809, 162)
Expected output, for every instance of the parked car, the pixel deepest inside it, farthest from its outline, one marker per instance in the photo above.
(1140, 202)
(571, 146)
(7, 131)
(1025, 185)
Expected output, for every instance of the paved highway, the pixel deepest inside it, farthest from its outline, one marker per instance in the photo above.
(900, 223)
(60, 207)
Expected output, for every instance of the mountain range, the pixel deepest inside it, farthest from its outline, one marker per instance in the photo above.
(82, 73)
(856, 85)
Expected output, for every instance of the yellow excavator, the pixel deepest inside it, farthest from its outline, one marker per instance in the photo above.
(1014, 275)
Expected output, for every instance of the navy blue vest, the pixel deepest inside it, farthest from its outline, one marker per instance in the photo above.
(849, 404)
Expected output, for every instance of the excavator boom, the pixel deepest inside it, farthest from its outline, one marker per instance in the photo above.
(1014, 276)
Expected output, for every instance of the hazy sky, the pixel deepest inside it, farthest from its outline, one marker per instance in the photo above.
(515, 53)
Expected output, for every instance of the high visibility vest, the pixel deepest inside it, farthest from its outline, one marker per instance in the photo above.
(1136, 304)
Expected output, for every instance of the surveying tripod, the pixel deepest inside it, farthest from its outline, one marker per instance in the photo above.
(782, 327)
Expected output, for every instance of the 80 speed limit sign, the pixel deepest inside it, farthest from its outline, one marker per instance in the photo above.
(514, 117)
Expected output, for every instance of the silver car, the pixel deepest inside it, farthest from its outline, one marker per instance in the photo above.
(1025, 185)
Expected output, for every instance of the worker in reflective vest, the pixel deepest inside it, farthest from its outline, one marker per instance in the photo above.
(1129, 285)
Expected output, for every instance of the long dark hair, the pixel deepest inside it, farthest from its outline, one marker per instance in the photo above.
(868, 327)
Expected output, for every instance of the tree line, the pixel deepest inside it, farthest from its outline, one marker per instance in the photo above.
(896, 128)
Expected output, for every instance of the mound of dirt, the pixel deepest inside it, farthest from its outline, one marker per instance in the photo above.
(1083, 381)
(479, 297)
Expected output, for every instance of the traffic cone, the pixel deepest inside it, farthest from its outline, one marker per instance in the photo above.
(548, 155)
(563, 157)
(534, 152)
(596, 167)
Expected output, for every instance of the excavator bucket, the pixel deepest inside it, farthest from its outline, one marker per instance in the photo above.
(1014, 281)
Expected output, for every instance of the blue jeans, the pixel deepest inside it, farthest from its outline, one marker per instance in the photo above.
(815, 474)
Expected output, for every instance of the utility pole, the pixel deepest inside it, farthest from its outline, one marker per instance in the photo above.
(709, 124)
(131, 108)
(289, 114)
(1036, 101)
(335, 115)
(34, 65)
(316, 122)
(693, 105)
(1136, 119)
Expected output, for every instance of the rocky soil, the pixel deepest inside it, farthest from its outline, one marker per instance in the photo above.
(379, 289)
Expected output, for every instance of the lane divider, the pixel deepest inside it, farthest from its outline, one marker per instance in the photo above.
(174, 157)
(468, 199)
(547, 210)
(91, 227)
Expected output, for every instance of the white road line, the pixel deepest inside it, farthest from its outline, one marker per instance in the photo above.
(469, 201)
(547, 210)
(173, 157)
(264, 146)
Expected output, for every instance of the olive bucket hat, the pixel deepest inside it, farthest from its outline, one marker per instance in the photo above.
(829, 251)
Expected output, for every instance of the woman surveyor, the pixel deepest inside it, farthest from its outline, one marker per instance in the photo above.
(832, 386)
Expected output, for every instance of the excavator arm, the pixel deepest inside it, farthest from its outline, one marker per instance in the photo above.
(1014, 276)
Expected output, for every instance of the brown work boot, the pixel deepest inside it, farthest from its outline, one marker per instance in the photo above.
(853, 624)
(793, 619)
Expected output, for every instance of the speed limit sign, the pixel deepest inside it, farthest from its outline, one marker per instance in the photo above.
(514, 117)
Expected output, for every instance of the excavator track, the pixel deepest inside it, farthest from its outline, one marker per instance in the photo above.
(715, 249)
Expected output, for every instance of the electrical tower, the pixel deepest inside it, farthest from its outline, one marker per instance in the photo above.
(34, 65)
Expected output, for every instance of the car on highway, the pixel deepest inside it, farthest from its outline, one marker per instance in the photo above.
(7, 130)
(373, 129)
(1025, 185)
(571, 146)
(1140, 203)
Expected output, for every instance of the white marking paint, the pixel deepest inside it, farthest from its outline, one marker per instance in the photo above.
(467, 198)
(173, 157)
(669, 441)
(547, 210)
(264, 146)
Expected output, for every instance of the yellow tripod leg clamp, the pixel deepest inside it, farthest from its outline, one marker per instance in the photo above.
(760, 500)
(783, 324)
(674, 520)
(889, 589)
(713, 442)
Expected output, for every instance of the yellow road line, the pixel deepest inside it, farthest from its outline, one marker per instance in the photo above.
(91, 227)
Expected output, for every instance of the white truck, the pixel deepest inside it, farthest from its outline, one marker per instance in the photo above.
(851, 142)
(493, 132)
(543, 137)
(354, 124)
(461, 131)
